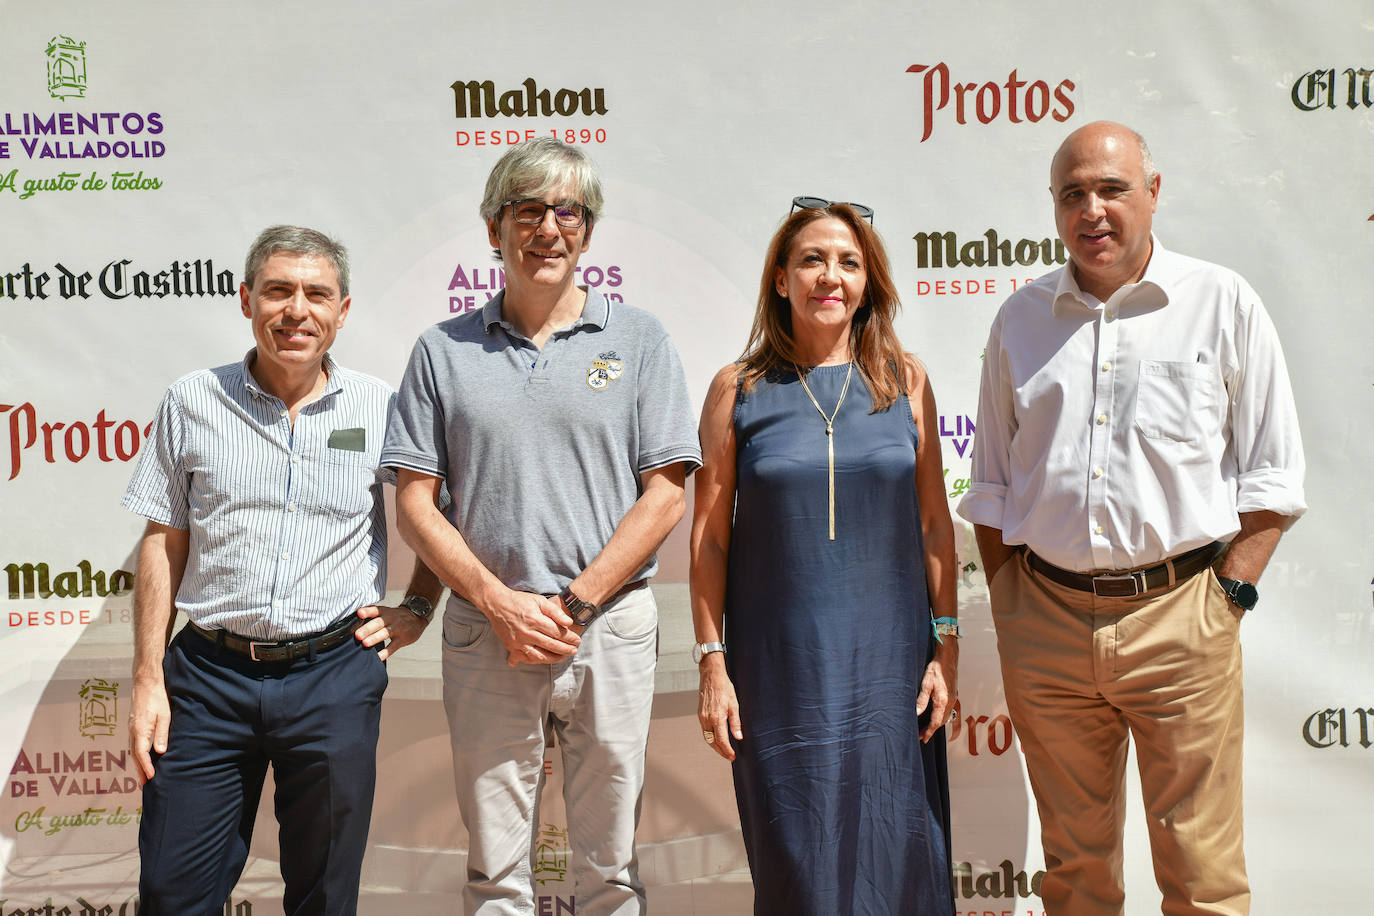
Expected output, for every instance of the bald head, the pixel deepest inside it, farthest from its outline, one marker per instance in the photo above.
(1105, 189)
(1107, 132)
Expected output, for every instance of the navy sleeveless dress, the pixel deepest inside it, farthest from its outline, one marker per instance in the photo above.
(844, 811)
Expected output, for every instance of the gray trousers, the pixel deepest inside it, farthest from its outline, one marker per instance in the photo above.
(598, 704)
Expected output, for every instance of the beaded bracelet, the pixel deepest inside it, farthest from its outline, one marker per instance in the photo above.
(945, 626)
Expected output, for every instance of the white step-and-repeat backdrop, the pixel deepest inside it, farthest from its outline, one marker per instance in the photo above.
(143, 145)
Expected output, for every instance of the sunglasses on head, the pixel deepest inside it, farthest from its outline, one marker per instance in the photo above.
(820, 203)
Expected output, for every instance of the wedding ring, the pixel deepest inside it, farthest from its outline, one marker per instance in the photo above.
(709, 736)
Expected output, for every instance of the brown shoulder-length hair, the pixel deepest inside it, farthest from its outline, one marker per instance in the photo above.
(873, 343)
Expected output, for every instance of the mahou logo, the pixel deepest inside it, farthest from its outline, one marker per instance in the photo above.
(480, 99)
(1017, 99)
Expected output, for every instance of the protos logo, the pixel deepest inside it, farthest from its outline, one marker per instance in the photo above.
(992, 733)
(1338, 727)
(114, 440)
(1019, 99)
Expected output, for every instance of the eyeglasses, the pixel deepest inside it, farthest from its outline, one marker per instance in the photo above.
(530, 212)
(820, 203)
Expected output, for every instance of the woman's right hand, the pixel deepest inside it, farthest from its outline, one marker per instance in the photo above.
(717, 706)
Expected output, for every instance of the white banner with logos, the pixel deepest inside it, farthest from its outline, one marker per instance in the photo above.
(143, 146)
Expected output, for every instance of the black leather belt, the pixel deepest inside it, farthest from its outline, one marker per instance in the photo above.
(283, 650)
(1127, 585)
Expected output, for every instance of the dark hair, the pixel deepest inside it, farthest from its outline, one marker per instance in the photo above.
(873, 343)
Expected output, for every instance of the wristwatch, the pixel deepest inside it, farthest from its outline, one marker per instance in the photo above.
(702, 649)
(1243, 594)
(418, 605)
(580, 611)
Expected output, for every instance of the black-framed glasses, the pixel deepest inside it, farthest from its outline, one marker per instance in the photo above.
(820, 203)
(530, 211)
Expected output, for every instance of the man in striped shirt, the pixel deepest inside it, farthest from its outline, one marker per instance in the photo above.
(266, 528)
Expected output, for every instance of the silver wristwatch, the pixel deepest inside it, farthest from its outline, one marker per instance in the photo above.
(702, 649)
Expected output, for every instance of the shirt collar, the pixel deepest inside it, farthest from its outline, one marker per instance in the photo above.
(333, 383)
(1150, 292)
(596, 311)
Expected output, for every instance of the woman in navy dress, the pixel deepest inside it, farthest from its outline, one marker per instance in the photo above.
(823, 558)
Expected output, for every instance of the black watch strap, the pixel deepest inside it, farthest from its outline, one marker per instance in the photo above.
(1243, 594)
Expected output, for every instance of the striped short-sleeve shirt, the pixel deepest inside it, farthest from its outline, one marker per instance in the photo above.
(287, 525)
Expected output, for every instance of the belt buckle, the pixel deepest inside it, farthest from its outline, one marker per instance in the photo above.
(253, 650)
(1135, 579)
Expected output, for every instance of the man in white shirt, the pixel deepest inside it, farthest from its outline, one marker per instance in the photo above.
(1137, 458)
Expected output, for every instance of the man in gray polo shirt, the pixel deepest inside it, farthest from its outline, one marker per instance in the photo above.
(561, 426)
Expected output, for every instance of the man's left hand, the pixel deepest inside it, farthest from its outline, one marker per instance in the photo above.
(396, 624)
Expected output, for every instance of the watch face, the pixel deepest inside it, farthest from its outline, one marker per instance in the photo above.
(1243, 595)
(583, 614)
(418, 605)
(702, 649)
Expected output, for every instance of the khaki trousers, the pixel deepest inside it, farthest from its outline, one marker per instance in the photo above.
(1081, 674)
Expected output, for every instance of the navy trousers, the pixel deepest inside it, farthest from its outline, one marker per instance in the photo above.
(315, 720)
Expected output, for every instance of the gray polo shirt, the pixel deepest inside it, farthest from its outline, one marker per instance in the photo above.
(542, 450)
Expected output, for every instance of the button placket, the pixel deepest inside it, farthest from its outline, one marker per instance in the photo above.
(1100, 436)
(290, 517)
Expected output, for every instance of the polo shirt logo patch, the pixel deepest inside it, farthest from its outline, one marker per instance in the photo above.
(605, 369)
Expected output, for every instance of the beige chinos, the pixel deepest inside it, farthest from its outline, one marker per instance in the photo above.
(1082, 673)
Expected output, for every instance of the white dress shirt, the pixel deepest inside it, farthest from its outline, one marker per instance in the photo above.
(1113, 435)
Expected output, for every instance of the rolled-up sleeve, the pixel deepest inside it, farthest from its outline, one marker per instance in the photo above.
(1265, 439)
(985, 500)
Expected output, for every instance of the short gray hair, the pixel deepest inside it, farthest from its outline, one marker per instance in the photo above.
(1147, 161)
(535, 167)
(297, 240)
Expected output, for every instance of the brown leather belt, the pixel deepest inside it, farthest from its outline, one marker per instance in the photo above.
(284, 650)
(625, 590)
(1127, 585)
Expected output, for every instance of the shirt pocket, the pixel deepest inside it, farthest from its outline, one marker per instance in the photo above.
(1174, 399)
(346, 483)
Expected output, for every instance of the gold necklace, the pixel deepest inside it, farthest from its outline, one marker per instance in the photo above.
(829, 430)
